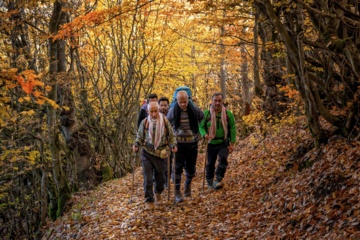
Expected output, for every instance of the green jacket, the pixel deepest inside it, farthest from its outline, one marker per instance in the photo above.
(219, 137)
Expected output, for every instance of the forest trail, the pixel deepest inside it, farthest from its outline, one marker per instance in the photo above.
(265, 196)
(107, 212)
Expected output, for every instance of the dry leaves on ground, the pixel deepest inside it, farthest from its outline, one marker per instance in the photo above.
(278, 189)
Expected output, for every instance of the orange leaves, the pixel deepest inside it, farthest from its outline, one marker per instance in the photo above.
(30, 84)
(264, 201)
(28, 80)
(96, 18)
(26, 86)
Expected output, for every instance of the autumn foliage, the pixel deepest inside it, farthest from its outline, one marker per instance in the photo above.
(279, 188)
(74, 73)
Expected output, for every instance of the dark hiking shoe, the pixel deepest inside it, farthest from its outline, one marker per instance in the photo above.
(158, 197)
(178, 196)
(218, 184)
(210, 183)
(187, 190)
(150, 200)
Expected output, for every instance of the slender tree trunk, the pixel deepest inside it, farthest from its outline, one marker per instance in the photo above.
(223, 74)
(22, 58)
(245, 82)
(193, 76)
(62, 190)
(258, 88)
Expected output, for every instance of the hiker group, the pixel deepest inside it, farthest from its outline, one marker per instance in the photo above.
(172, 132)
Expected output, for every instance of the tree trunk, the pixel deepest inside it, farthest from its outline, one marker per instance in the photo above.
(245, 82)
(193, 76)
(62, 190)
(257, 83)
(223, 74)
(272, 76)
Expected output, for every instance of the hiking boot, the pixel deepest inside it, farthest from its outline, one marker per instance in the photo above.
(178, 196)
(150, 200)
(187, 190)
(218, 184)
(210, 183)
(158, 197)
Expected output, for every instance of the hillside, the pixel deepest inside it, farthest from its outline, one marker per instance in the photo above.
(277, 188)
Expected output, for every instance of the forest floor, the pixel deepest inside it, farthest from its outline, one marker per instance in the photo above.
(277, 187)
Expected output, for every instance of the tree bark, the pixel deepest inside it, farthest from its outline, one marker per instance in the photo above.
(245, 81)
(62, 190)
(256, 70)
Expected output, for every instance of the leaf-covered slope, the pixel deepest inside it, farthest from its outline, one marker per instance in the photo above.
(280, 188)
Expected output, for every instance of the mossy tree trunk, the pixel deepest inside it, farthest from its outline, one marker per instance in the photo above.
(61, 191)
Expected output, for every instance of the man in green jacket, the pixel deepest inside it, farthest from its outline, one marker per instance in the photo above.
(218, 128)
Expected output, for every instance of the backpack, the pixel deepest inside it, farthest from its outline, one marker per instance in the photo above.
(182, 88)
(208, 119)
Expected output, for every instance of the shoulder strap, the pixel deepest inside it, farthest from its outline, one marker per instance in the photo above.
(146, 126)
(166, 127)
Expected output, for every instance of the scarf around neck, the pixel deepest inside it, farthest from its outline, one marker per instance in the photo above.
(155, 138)
(194, 125)
(212, 129)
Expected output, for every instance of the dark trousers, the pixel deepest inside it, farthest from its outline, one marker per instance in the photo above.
(153, 169)
(213, 152)
(185, 159)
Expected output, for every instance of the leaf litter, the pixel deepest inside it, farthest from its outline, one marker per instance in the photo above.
(272, 191)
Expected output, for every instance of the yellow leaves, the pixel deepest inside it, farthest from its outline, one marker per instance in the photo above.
(66, 108)
(41, 100)
(4, 112)
(37, 94)
(32, 156)
(48, 88)
(28, 113)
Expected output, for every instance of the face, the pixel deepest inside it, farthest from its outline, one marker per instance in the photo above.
(164, 107)
(152, 99)
(217, 102)
(153, 110)
(183, 101)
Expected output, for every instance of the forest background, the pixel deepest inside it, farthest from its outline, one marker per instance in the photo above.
(74, 74)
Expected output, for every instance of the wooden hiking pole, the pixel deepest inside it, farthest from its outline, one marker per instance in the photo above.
(168, 176)
(205, 162)
(173, 172)
(133, 173)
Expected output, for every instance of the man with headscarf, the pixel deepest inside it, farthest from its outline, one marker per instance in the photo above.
(155, 135)
(185, 118)
(218, 128)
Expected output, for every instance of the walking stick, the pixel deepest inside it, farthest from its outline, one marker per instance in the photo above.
(168, 176)
(173, 172)
(205, 162)
(133, 173)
